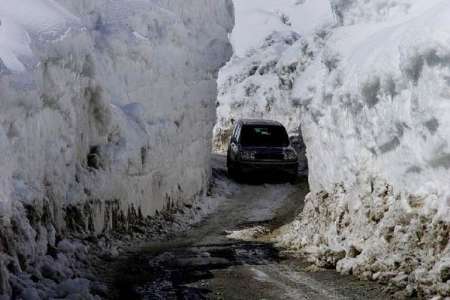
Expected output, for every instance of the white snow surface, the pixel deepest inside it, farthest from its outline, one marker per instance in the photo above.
(381, 107)
(107, 108)
(22, 20)
(256, 19)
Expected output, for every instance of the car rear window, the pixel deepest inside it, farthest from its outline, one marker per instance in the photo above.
(263, 135)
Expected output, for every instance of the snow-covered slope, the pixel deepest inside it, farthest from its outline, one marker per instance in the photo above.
(106, 115)
(256, 19)
(259, 85)
(273, 40)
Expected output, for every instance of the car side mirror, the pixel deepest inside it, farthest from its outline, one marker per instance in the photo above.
(294, 140)
(234, 147)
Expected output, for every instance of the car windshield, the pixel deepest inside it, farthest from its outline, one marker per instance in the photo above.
(263, 135)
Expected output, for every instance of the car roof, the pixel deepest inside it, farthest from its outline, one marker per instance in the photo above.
(259, 122)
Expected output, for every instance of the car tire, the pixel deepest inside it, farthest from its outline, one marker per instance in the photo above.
(234, 172)
(292, 178)
(230, 168)
(231, 172)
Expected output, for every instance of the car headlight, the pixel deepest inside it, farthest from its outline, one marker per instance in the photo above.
(290, 154)
(247, 155)
(234, 147)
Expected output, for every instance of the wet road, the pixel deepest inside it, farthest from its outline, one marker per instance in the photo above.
(204, 263)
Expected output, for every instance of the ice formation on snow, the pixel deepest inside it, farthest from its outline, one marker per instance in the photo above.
(106, 115)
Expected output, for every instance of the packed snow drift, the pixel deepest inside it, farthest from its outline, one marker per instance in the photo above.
(370, 90)
(107, 109)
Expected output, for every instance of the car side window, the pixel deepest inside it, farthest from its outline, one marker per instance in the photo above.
(233, 136)
(238, 133)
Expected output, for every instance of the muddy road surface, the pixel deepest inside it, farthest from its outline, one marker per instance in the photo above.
(204, 263)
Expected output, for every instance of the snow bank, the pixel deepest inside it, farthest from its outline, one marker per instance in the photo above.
(106, 115)
(373, 107)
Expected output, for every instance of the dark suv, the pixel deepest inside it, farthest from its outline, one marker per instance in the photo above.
(260, 145)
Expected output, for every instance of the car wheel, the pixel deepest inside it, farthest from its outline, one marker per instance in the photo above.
(230, 168)
(231, 172)
(292, 178)
(234, 172)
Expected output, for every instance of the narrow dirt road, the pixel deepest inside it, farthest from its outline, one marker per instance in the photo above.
(205, 264)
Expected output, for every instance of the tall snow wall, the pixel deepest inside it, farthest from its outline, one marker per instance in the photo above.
(107, 109)
(374, 107)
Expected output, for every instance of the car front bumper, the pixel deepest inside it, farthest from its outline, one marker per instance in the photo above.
(278, 166)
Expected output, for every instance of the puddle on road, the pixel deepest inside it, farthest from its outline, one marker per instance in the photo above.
(170, 274)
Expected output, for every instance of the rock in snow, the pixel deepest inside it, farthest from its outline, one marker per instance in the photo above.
(107, 109)
(371, 93)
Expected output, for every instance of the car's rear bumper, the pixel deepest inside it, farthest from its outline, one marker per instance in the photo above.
(279, 166)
